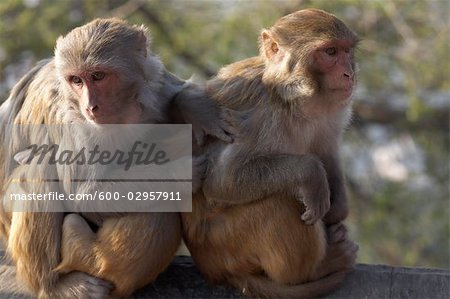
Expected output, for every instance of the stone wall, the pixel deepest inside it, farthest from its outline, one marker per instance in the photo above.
(182, 280)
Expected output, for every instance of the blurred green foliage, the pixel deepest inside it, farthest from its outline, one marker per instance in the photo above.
(404, 61)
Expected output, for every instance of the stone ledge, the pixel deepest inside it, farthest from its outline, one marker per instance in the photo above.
(182, 280)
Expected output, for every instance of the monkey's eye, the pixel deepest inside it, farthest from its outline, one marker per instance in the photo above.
(75, 80)
(97, 76)
(331, 51)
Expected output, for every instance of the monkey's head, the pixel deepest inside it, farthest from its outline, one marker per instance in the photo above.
(309, 54)
(101, 65)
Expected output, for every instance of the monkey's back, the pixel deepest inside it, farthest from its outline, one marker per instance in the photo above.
(238, 85)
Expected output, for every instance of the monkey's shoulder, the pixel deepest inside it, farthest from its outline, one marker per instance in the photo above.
(238, 86)
(248, 69)
(45, 84)
(36, 93)
(43, 66)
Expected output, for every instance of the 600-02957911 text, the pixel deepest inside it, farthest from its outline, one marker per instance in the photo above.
(57, 196)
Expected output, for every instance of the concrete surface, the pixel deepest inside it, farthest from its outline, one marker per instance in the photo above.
(182, 280)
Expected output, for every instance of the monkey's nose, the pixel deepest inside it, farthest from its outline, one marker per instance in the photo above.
(348, 75)
(93, 108)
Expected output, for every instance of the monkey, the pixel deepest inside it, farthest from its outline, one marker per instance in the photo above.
(101, 73)
(268, 219)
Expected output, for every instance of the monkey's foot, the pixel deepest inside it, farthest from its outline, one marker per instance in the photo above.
(336, 233)
(341, 255)
(78, 285)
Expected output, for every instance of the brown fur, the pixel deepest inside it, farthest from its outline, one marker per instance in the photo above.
(259, 223)
(51, 252)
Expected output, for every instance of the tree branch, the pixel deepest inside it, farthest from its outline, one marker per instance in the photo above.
(184, 54)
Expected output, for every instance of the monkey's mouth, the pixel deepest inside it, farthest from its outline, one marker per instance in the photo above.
(348, 90)
(341, 94)
(345, 91)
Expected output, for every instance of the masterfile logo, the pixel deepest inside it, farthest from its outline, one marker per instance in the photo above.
(93, 168)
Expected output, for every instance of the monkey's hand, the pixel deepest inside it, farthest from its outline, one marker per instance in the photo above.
(218, 123)
(207, 118)
(316, 198)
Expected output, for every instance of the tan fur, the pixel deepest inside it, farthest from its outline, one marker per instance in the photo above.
(55, 257)
(259, 223)
(129, 251)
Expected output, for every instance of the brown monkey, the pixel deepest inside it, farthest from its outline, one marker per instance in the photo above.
(102, 73)
(264, 217)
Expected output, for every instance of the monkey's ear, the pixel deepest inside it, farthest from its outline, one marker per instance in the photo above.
(269, 46)
(143, 40)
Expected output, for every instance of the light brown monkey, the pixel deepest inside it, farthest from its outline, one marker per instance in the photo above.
(263, 222)
(102, 73)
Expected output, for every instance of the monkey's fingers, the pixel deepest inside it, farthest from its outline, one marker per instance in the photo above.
(310, 217)
(314, 211)
(223, 133)
(343, 253)
(220, 132)
(316, 201)
(233, 120)
(351, 252)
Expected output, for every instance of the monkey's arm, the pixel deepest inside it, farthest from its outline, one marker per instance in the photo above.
(338, 197)
(237, 180)
(193, 107)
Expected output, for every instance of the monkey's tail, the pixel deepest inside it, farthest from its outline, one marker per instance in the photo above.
(261, 286)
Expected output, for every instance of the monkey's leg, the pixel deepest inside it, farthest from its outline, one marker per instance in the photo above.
(238, 180)
(77, 245)
(34, 243)
(297, 254)
(129, 251)
(296, 259)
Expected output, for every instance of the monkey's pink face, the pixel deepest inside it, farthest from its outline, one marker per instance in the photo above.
(102, 97)
(335, 62)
